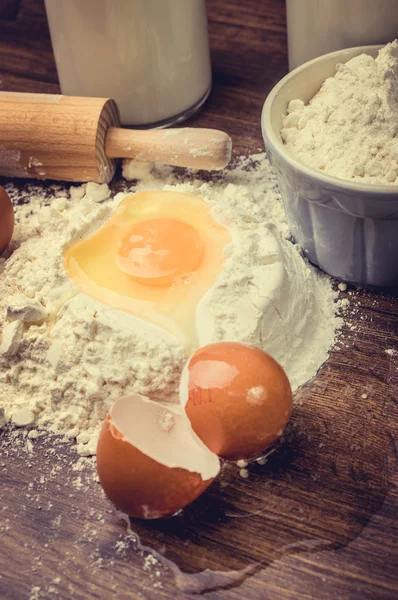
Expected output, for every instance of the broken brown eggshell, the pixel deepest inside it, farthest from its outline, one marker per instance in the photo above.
(149, 461)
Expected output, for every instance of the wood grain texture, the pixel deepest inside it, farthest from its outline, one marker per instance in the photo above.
(319, 520)
(50, 136)
(56, 137)
(191, 147)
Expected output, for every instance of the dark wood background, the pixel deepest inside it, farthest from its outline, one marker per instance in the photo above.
(319, 520)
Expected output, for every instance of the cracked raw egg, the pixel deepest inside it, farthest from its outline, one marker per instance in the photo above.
(237, 398)
(6, 220)
(154, 258)
(149, 461)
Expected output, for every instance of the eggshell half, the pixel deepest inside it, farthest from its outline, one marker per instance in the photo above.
(6, 220)
(149, 461)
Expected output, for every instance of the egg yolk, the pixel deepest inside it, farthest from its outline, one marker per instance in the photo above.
(158, 251)
(154, 258)
(239, 399)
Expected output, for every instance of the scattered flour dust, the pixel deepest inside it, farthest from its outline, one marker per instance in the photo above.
(350, 128)
(64, 357)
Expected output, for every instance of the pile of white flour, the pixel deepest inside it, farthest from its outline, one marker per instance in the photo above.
(350, 128)
(64, 357)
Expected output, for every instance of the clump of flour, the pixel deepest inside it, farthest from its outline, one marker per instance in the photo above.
(350, 128)
(66, 357)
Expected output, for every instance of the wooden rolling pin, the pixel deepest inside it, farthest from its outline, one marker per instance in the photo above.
(79, 139)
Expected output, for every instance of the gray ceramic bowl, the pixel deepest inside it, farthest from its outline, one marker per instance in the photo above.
(349, 229)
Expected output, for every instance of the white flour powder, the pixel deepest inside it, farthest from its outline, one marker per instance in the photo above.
(66, 357)
(350, 128)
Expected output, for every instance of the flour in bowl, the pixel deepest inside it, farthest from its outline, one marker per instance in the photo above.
(350, 127)
(66, 357)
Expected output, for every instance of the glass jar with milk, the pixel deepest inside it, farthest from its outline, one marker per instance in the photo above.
(316, 27)
(151, 56)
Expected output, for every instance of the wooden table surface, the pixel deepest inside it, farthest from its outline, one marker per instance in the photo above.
(319, 520)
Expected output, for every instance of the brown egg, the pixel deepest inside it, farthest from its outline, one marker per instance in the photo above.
(237, 398)
(6, 220)
(149, 461)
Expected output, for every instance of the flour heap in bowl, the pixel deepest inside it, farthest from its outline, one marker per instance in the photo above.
(66, 357)
(350, 127)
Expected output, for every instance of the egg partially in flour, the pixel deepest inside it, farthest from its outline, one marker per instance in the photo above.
(154, 258)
